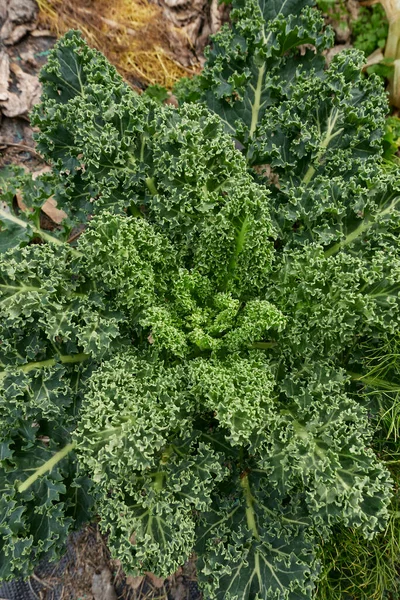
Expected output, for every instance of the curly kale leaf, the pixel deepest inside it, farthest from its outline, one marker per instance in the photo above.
(318, 440)
(51, 333)
(251, 67)
(21, 223)
(276, 468)
(313, 134)
(274, 96)
(252, 546)
(38, 412)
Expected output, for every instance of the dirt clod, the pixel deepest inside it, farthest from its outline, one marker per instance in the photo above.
(102, 588)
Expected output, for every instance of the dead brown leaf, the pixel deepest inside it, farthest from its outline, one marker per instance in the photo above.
(20, 17)
(54, 213)
(157, 582)
(21, 204)
(190, 24)
(19, 105)
(134, 582)
(41, 33)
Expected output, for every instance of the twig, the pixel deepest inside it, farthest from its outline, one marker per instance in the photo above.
(32, 590)
(74, 237)
(42, 582)
(23, 147)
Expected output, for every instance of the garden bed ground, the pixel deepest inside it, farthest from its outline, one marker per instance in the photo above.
(87, 572)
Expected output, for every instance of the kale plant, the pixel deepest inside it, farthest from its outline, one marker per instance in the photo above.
(184, 356)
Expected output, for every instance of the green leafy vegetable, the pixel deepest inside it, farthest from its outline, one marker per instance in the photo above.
(195, 363)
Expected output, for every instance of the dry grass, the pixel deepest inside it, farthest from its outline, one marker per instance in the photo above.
(132, 34)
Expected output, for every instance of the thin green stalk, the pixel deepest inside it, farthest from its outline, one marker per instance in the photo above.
(45, 236)
(375, 382)
(20, 288)
(240, 242)
(46, 467)
(263, 345)
(151, 186)
(142, 147)
(63, 358)
(42, 364)
(250, 515)
(329, 136)
(159, 476)
(158, 482)
(255, 107)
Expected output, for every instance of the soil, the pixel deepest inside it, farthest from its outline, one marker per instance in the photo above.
(16, 134)
(91, 574)
(87, 572)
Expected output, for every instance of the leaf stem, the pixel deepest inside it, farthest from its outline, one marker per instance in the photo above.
(47, 466)
(255, 107)
(159, 476)
(250, 515)
(240, 242)
(42, 364)
(158, 481)
(63, 358)
(329, 136)
(45, 236)
(151, 186)
(263, 345)
(362, 227)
